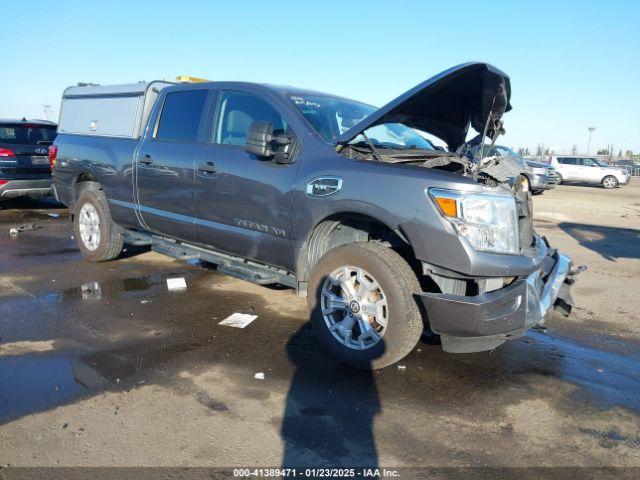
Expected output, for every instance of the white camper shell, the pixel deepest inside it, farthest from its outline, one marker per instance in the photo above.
(110, 110)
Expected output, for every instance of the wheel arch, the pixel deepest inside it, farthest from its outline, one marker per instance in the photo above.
(83, 182)
(342, 228)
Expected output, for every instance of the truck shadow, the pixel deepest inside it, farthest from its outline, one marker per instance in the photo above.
(29, 203)
(329, 410)
(611, 243)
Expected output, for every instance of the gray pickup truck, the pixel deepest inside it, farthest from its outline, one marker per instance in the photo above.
(388, 236)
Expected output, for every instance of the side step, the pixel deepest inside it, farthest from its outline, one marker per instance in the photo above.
(137, 239)
(174, 250)
(252, 274)
(227, 264)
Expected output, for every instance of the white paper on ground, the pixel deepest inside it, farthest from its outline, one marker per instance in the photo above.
(238, 320)
(176, 283)
(259, 376)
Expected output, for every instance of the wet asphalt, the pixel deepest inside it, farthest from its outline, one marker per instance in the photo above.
(72, 331)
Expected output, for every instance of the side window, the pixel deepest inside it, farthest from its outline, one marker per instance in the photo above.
(237, 111)
(180, 117)
(568, 161)
(588, 162)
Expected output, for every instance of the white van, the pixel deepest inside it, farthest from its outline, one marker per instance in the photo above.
(571, 168)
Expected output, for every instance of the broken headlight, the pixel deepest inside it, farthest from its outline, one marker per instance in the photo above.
(488, 221)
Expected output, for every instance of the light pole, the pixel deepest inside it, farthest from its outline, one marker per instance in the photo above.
(591, 129)
(47, 109)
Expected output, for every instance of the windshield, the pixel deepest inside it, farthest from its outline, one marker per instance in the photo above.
(332, 116)
(22, 134)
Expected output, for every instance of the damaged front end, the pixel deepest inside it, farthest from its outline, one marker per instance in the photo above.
(490, 277)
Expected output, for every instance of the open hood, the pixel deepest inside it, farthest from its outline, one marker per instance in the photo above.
(445, 105)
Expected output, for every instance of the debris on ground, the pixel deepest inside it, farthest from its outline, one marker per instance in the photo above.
(259, 376)
(176, 283)
(238, 320)
(14, 231)
(402, 367)
(54, 215)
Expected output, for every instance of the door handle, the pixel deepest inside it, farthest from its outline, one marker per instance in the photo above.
(146, 159)
(208, 167)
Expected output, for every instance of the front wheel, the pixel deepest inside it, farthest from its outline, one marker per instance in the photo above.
(362, 306)
(96, 234)
(609, 182)
(559, 179)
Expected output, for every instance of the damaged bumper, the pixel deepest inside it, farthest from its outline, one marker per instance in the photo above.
(483, 322)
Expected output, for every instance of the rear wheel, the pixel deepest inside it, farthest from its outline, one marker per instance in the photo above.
(362, 307)
(96, 234)
(609, 182)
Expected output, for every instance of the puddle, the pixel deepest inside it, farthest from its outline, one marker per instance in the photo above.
(48, 253)
(34, 383)
(612, 379)
(111, 288)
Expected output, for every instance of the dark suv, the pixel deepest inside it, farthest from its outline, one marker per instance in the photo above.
(24, 157)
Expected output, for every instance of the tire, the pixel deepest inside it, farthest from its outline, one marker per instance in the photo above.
(108, 242)
(559, 179)
(609, 182)
(397, 284)
(537, 192)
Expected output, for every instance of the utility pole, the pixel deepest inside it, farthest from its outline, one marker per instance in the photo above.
(47, 109)
(591, 129)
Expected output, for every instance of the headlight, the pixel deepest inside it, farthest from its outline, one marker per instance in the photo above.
(488, 221)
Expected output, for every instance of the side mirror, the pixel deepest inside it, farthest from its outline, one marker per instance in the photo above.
(264, 144)
(259, 140)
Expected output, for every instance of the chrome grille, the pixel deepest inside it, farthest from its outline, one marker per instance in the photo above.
(551, 175)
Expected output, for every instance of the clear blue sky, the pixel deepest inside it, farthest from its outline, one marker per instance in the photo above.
(572, 64)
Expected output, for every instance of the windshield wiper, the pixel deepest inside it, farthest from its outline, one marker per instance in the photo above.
(373, 148)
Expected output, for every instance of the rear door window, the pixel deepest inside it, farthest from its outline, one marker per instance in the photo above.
(21, 134)
(181, 115)
(237, 111)
(568, 161)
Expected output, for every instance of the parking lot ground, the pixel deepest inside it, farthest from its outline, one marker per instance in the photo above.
(101, 365)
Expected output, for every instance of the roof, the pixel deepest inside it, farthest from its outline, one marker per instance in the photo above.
(30, 121)
(127, 89)
(285, 90)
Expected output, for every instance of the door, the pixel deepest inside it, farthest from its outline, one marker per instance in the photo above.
(165, 165)
(244, 203)
(569, 168)
(590, 171)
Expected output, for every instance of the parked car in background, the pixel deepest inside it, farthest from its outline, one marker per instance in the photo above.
(25, 169)
(589, 170)
(541, 176)
(630, 165)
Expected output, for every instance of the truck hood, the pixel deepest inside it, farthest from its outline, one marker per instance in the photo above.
(445, 105)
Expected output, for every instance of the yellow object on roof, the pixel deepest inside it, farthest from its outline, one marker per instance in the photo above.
(190, 79)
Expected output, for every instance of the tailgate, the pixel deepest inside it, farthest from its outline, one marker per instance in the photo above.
(25, 149)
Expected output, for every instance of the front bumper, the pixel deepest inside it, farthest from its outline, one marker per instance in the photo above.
(23, 188)
(483, 322)
(542, 182)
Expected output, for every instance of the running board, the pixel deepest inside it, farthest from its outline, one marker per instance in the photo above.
(174, 250)
(227, 264)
